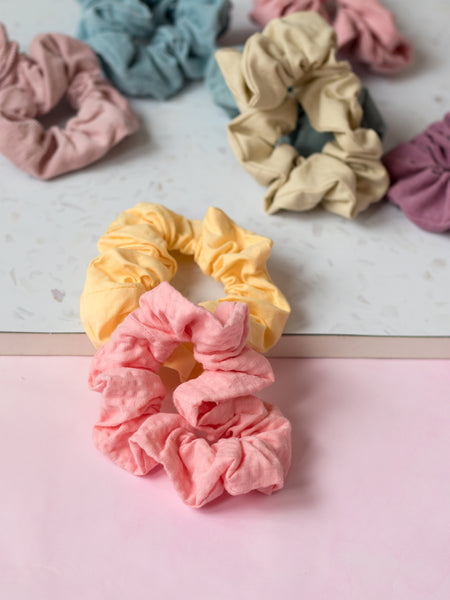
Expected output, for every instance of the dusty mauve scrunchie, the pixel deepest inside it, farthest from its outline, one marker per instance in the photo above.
(31, 86)
(420, 176)
(365, 29)
(152, 47)
(222, 438)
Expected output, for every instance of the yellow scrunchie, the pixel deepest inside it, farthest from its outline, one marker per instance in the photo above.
(293, 61)
(135, 257)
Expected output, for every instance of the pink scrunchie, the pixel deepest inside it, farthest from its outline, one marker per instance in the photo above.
(223, 437)
(420, 177)
(365, 29)
(29, 87)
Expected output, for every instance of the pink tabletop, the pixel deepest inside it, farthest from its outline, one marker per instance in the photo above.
(365, 513)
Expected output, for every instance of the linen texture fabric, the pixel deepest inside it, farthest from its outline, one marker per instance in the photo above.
(153, 47)
(30, 86)
(222, 437)
(420, 175)
(305, 139)
(293, 61)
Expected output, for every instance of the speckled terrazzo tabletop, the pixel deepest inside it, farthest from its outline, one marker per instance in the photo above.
(378, 275)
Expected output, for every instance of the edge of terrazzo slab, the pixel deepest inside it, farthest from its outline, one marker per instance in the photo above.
(289, 346)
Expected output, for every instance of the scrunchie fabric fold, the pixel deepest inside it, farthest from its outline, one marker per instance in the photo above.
(152, 47)
(135, 257)
(304, 138)
(293, 61)
(30, 87)
(222, 438)
(365, 29)
(420, 176)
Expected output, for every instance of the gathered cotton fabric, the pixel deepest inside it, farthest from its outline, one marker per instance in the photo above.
(420, 176)
(223, 438)
(293, 61)
(366, 30)
(135, 257)
(30, 87)
(152, 47)
(304, 138)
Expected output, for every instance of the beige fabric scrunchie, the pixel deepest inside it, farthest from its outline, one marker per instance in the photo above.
(293, 61)
(135, 257)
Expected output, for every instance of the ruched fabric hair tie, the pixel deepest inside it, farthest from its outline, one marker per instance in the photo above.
(135, 257)
(293, 61)
(304, 138)
(151, 47)
(222, 438)
(420, 176)
(31, 86)
(365, 29)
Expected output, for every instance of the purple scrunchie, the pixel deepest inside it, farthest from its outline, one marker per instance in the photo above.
(420, 177)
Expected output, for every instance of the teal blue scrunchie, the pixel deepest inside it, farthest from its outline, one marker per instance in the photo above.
(151, 47)
(304, 137)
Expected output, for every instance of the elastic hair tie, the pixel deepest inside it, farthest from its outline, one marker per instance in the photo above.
(223, 438)
(31, 86)
(291, 62)
(304, 138)
(365, 29)
(135, 257)
(151, 47)
(420, 177)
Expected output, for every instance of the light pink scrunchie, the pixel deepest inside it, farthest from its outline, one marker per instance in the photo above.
(223, 438)
(31, 86)
(365, 29)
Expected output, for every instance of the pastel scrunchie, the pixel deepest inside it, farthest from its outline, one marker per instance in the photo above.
(135, 257)
(420, 177)
(365, 29)
(293, 61)
(151, 47)
(222, 438)
(31, 86)
(304, 138)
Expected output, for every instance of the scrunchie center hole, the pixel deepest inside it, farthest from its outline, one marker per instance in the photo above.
(172, 375)
(304, 137)
(171, 379)
(58, 116)
(192, 282)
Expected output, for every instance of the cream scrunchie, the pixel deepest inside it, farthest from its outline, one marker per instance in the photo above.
(293, 61)
(135, 257)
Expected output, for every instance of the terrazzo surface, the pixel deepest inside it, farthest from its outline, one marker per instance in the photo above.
(378, 275)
